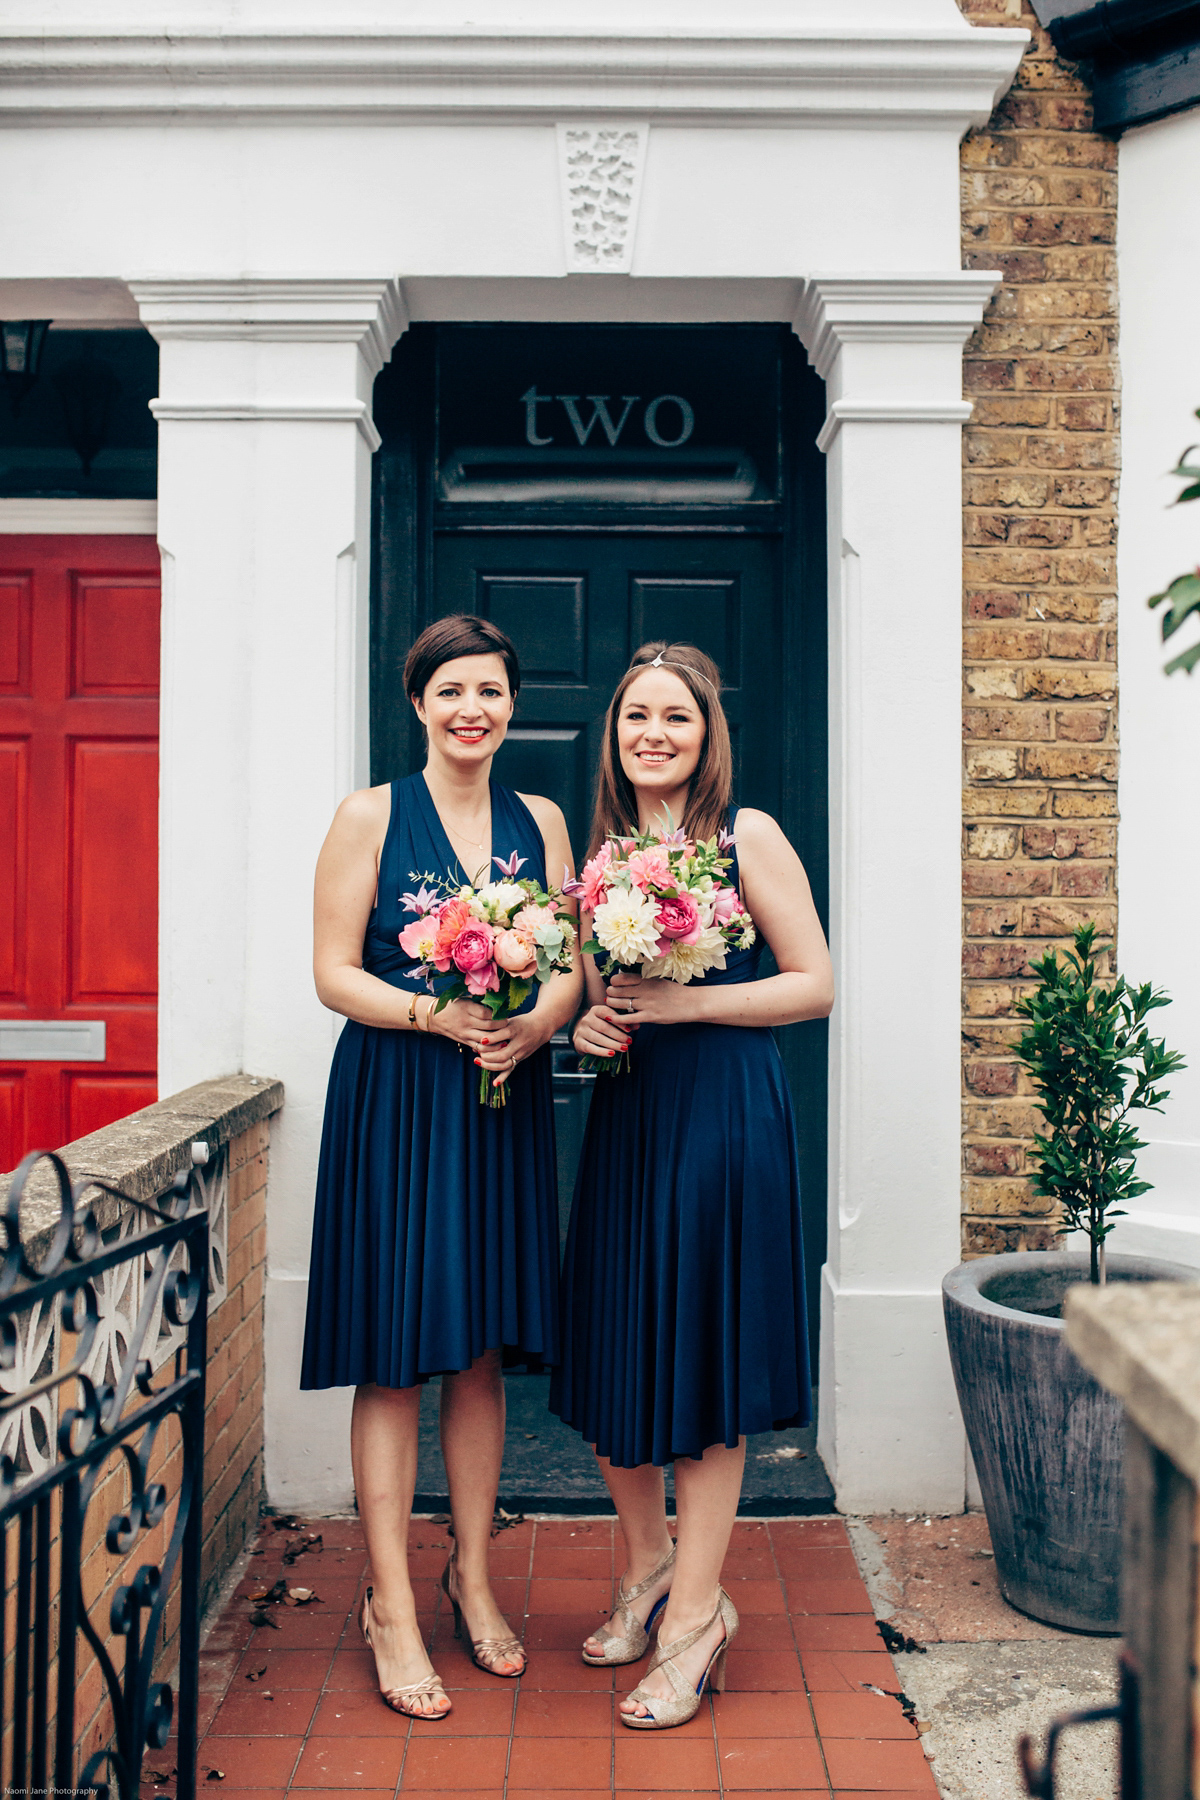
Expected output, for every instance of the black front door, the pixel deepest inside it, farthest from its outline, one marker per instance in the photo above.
(577, 607)
(589, 489)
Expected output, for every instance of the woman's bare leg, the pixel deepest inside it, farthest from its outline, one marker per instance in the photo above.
(641, 1507)
(383, 1450)
(473, 1448)
(706, 1501)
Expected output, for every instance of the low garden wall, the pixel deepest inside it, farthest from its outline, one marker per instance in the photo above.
(220, 1127)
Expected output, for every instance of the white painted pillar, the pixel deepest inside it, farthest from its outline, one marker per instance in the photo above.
(265, 441)
(890, 351)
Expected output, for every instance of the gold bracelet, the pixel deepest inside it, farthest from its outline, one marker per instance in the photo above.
(412, 1011)
(429, 1012)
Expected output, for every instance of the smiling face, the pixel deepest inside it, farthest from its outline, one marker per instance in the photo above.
(660, 736)
(466, 709)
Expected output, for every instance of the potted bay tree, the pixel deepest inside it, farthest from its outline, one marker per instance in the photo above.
(1045, 1436)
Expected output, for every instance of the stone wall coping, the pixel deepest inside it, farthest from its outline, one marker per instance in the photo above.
(141, 1154)
(1142, 1340)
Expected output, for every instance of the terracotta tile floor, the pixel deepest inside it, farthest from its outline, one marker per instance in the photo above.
(802, 1715)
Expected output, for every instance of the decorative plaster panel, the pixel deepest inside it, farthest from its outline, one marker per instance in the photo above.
(600, 168)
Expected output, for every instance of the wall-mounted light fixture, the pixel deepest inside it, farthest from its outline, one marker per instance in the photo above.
(21, 343)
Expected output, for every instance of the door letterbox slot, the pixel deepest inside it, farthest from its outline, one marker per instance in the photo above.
(52, 1040)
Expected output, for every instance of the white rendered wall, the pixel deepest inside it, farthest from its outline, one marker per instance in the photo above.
(1158, 254)
(277, 207)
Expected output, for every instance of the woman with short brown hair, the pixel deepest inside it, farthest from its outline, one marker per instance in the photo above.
(435, 1236)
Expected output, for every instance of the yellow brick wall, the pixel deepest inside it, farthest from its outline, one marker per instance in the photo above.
(1039, 643)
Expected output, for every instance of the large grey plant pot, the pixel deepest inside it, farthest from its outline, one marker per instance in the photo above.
(1046, 1437)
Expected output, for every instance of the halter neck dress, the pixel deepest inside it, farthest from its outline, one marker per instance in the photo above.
(435, 1234)
(683, 1286)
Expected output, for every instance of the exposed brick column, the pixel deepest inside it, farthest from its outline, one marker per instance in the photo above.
(1040, 478)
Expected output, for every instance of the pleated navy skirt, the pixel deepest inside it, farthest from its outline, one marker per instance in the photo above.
(435, 1231)
(683, 1288)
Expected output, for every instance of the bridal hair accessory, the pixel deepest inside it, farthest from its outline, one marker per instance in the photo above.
(669, 662)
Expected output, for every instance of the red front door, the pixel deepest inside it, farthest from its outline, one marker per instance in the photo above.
(78, 835)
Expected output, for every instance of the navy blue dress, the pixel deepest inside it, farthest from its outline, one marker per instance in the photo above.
(435, 1235)
(683, 1289)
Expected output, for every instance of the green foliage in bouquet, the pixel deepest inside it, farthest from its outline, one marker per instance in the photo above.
(1093, 1062)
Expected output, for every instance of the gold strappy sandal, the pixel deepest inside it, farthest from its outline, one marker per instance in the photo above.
(687, 1699)
(485, 1652)
(633, 1643)
(404, 1699)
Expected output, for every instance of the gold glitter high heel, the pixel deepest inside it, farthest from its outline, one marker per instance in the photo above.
(632, 1644)
(686, 1702)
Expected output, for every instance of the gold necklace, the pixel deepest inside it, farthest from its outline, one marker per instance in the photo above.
(475, 843)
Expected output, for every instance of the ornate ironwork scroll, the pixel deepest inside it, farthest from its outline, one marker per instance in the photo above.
(100, 1347)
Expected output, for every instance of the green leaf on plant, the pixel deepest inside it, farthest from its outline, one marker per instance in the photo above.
(1092, 1061)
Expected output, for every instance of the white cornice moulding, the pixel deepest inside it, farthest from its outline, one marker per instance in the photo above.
(871, 77)
(128, 518)
(366, 310)
(892, 309)
(891, 412)
(354, 412)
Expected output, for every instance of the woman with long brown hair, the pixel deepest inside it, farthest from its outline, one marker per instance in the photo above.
(683, 1292)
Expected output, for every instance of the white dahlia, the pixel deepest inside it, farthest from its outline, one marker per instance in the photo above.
(686, 962)
(500, 897)
(627, 925)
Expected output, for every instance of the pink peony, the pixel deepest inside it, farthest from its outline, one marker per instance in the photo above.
(679, 919)
(515, 954)
(529, 919)
(472, 949)
(650, 868)
(483, 981)
(727, 905)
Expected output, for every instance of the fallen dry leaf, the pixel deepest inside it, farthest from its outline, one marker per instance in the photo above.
(300, 1596)
(215, 1775)
(264, 1618)
(256, 1674)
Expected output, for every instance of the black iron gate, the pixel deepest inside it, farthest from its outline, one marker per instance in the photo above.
(128, 1373)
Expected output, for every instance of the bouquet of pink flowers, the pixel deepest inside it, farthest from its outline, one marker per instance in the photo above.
(496, 941)
(659, 905)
